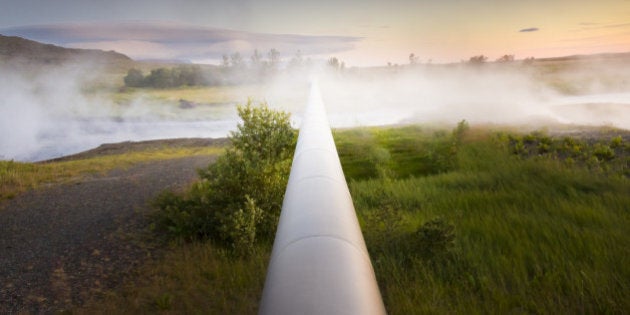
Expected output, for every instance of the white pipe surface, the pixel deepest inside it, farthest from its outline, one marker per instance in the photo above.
(319, 263)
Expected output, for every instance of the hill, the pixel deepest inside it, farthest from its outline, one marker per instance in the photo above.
(17, 49)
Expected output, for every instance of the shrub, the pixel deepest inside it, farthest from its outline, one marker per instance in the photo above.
(239, 197)
(616, 142)
(435, 238)
(382, 228)
(603, 152)
(134, 78)
(161, 78)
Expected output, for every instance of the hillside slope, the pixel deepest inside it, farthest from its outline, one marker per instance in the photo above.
(14, 48)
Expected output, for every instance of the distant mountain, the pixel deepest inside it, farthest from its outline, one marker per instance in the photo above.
(18, 49)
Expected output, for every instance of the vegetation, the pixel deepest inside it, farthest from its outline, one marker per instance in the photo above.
(490, 231)
(500, 232)
(460, 221)
(192, 278)
(18, 49)
(399, 152)
(17, 177)
(609, 156)
(182, 75)
(234, 70)
(335, 64)
(239, 197)
(478, 60)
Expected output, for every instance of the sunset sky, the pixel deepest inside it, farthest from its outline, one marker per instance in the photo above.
(361, 33)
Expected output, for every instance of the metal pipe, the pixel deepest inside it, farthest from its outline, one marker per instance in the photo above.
(319, 263)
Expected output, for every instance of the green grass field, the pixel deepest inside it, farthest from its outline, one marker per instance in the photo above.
(455, 221)
(531, 235)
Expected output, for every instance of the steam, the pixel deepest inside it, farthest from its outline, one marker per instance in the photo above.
(47, 114)
(481, 95)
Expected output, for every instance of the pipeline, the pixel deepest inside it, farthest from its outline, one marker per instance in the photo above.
(319, 263)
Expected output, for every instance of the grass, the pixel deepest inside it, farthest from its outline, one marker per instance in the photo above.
(193, 278)
(404, 151)
(529, 238)
(17, 177)
(490, 231)
(533, 234)
(193, 94)
(196, 94)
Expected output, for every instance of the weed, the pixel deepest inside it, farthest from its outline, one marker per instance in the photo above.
(164, 302)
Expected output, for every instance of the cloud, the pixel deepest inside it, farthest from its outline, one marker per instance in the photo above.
(157, 40)
(528, 30)
(585, 26)
(622, 25)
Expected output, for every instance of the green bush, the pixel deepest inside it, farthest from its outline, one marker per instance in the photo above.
(161, 78)
(435, 238)
(239, 197)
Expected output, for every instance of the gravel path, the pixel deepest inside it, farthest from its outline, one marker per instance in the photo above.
(66, 243)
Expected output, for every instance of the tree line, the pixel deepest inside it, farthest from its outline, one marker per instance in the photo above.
(182, 75)
(234, 69)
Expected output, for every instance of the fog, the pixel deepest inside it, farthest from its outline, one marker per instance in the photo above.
(490, 94)
(50, 114)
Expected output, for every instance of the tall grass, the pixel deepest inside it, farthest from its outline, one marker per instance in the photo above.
(193, 278)
(532, 236)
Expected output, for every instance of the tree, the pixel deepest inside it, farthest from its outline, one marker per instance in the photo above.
(256, 59)
(190, 75)
(506, 58)
(297, 60)
(413, 59)
(274, 58)
(477, 60)
(160, 78)
(225, 61)
(134, 78)
(334, 63)
(236, 60)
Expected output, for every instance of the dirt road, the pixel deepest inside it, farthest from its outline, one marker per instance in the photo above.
(66, 243)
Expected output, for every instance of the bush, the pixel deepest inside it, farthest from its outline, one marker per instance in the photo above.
(161, 78)
(435, 238)
(134, 78)
(239, 197)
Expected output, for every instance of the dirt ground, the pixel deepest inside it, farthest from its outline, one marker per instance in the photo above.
(64, 244)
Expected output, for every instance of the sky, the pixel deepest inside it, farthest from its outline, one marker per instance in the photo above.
(361, 33)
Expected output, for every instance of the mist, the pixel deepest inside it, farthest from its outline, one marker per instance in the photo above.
(49, 114)
(490, 94)
(52, 113)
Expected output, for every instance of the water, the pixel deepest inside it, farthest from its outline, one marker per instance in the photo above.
(56, 137)
(69, 136)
